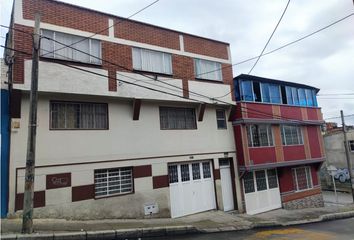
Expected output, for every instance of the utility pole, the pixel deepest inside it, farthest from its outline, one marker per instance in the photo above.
(27, 219)
(349, 162)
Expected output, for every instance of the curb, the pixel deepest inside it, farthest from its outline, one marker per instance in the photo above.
(168, 231)
(108, 234)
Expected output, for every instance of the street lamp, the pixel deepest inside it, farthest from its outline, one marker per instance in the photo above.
(332, 171)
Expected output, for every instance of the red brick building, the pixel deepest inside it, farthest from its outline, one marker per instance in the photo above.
(279, 143)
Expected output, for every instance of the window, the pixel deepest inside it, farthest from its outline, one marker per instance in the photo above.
(261, 180)
(196, 171)
(208, 70)
(291, 135)
(221, 119)
(259, 135)
(177, 118)
(351, 145)
(54, 49)
(272, 178)
(257, 92)
(302, 178)
(254, 91)
(152, 61)
(265, 92)
(206, 170)
(246, 91)
(113, 181)
(248, 182)
(185, 172)
(173, 173)
(302, 97)
(72, 115)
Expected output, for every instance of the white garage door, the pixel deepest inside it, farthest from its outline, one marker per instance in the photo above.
(261, 191)
(191, 188)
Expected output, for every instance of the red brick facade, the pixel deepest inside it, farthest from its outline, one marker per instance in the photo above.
(78, 18)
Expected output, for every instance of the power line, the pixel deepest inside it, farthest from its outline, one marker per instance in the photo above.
(249, 110)
(350, 115)
(288, 44)
(121, 66)
(83, 39)
(276, 26)
(246, 60)
(334, 94)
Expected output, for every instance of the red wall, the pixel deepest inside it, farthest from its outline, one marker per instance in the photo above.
(258, 110)
(312, 114)
(314, 175)
(314, 142)
(262, 155)
(296, 152)
(291, 112)
(285, 179)
(239, 147)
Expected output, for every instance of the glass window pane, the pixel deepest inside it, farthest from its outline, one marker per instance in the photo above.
(261, 180)
(289, 95)
(248, 182)
(309, 97)
(47, 45)
(185, 172)
(172, 173)
(314, 98)
(206, 170)
(83, 46)
(209, 70)
(257, 91)
(272, 178)
(196, 171)
(295, 96)
(247, 92)
(221, 119)
(95, 51)
(302, 97)
(265, 92)
(274, 93)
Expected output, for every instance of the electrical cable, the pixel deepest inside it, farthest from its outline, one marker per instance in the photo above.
(264, 48)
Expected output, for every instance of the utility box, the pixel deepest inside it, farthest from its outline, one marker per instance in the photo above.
(151, 208)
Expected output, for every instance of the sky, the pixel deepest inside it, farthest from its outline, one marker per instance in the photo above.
(325, 60)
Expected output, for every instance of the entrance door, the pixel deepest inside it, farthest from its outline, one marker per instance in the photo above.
(261, 191)
(191, 188)
(226, 185)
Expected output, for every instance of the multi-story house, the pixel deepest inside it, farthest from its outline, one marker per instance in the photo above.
(126, 122)
(279, 143)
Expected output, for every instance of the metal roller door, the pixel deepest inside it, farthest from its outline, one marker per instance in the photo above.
(191, 188)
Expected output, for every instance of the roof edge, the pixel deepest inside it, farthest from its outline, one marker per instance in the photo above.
(263, 79)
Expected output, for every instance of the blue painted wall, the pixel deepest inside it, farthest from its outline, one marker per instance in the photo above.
(4, 151)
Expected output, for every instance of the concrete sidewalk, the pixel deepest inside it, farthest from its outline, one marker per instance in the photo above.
(212, 221)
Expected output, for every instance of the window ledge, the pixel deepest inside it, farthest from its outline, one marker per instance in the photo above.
(113, 195)
(210, 80)
(152, 73)
(50, 59)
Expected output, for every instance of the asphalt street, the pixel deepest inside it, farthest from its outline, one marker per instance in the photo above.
(338, 229)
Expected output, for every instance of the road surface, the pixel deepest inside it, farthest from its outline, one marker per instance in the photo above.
(339, 230)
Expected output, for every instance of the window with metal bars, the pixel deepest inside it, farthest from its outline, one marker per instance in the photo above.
(75, 115)
(114, 181)
(291, 135)
(302, 178)
(259, 135)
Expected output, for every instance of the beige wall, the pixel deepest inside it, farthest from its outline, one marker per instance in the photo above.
(125, 139)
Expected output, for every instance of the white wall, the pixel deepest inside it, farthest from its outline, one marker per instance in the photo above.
(124, 139)
(57, 78)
